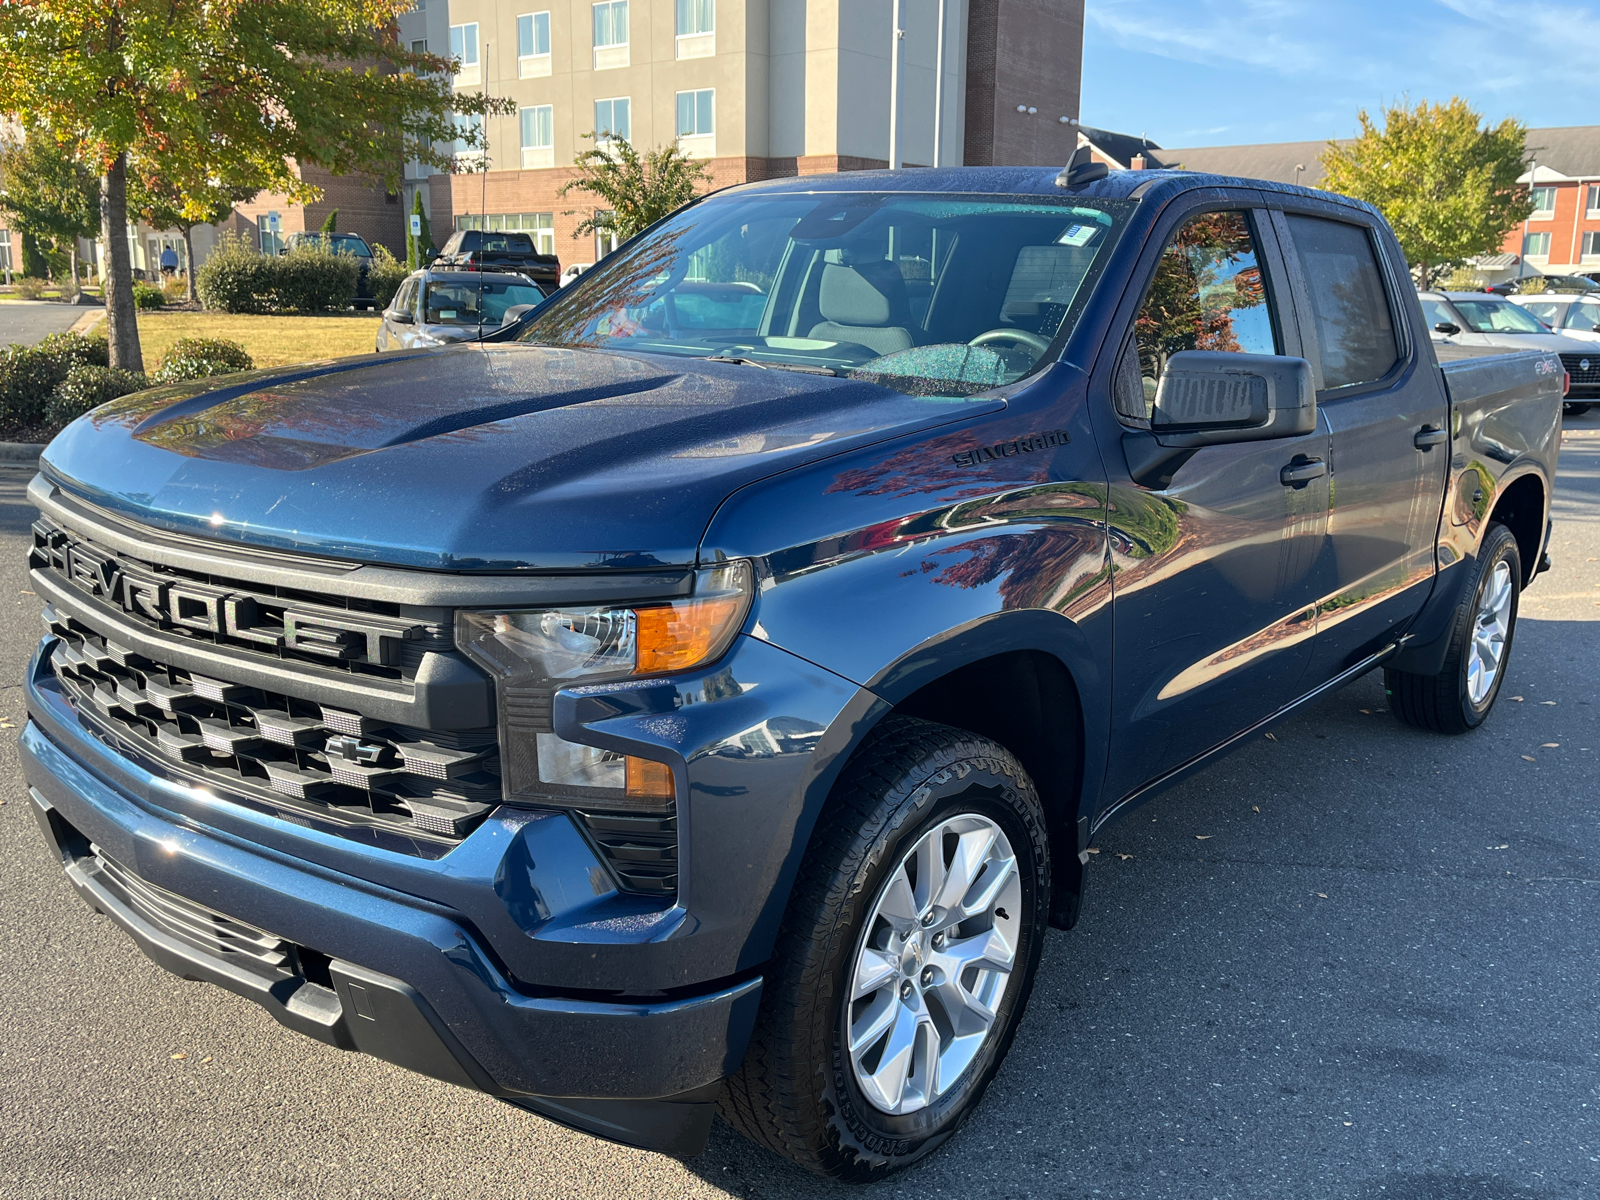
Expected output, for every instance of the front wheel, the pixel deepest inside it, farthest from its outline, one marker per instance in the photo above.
(905, 957)
(1575, 410)
(1460, 696)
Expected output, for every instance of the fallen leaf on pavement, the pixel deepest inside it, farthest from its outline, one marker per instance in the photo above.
(180, 1054)
(1271, 738)
(1502, 846)
(1551, 703)
(1094, 849)
(1529, 758)
(1368, 711)
(1518, 699)
(206, 1059)
(1200, 837)
(1322, 895)
(1124, 857)
(1255, 808)
(1550, 745)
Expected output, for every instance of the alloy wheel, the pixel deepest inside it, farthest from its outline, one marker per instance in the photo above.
(1491, 626)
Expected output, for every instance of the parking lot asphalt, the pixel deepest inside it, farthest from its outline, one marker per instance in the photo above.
(1353, 960)
(27, 321)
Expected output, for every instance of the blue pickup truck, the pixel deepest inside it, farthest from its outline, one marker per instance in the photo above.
(702, 695)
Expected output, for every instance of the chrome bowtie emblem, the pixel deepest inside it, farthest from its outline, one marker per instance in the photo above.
(353, 749)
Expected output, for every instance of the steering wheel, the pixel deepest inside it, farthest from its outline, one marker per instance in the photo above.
(1020, 336)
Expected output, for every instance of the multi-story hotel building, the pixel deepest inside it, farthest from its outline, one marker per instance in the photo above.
(757, 88)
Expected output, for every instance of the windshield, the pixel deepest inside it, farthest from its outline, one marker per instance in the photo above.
(475, 303)
(927, 294)
(1497, 316)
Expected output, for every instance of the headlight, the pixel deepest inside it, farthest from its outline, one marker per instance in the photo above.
(532, 652)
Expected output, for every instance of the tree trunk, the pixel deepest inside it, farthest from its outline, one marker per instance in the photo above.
(72, 257)
(122, 325)
(188, 251)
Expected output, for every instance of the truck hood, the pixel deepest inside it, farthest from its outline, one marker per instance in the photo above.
(485, 457)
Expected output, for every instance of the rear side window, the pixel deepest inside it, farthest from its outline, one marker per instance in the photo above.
(1350, 307)
(1207, 294)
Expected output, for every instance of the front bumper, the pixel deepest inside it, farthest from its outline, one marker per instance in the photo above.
(378, 971)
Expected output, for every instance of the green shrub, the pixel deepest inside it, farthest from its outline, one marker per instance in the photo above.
(28, 288)
(196, 358)
(386, 275)
(86, 387)
(310, 278)
(146, 296)
(27, 377)
(69, 349)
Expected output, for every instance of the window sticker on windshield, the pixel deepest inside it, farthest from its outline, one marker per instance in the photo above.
(1077, 235)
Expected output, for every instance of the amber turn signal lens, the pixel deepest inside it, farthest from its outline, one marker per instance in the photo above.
(678, 636)
(647, 780)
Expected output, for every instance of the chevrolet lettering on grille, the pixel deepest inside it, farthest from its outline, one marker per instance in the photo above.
(263, 622)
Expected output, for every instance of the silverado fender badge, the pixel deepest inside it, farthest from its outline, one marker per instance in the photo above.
(1022, 445)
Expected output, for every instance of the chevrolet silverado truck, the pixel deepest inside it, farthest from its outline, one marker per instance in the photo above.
(702, 696)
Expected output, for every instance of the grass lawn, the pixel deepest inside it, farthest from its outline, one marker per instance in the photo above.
(271, 341)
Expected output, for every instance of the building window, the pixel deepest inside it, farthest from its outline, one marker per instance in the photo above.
(1594, 200)
(533, 45)
(468, 148)
(1536, 245)
(542, 226)
(610, 34)
(695, 112)
(464, 49)
(697, 24)
(1591, 243)
(605, 240)
(538, 136)
(271, 234)
(1544, 203)
(5, 249)
(420, 46)
(611, 120)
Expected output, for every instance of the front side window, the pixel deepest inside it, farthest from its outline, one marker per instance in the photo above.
(929, 295)
(1536, 245)
(1583, 315)
(1544, 202)
(611, 23)
(1497, 316)
(696, 17)
(1349, 303)
(696, 113)
(612, 119)
(1207, 294)
(1436, 313)
(533, 34)
(1550, 314)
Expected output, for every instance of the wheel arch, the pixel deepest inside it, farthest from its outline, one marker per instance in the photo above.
(1522, 507)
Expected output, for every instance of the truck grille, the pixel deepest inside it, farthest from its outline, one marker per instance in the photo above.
(1583, 368)
(273, 745)
(174, 699)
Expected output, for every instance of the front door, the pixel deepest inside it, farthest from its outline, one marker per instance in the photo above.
(1214, 568)
(1382, 396)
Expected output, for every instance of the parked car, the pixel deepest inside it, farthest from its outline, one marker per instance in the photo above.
(1476, 319)
(572, 271)
(1538, 285)
(352, 244)
(626, 716)
(490, 250)
(435, 308)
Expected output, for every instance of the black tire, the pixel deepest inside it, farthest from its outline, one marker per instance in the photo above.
(1575, 410)
(796, 1092)
(1443, 702)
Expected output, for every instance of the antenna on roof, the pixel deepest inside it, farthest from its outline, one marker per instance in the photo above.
(1081, 168)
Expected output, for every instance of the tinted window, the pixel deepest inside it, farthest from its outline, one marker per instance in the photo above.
(1349, 306)
(1207, 294)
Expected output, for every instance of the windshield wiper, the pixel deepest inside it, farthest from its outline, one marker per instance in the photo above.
(767, 365)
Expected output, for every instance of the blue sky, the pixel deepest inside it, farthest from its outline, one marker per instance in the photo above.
(1223, 72)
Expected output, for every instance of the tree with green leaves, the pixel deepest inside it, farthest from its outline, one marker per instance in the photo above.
(224, 88)
(330, 223)
(636, 190)
(48, 193)
(418, 245)
(1445, 181)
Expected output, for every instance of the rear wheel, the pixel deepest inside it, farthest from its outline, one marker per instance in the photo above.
(1575, 410)
(1460, 696)
(905, 958)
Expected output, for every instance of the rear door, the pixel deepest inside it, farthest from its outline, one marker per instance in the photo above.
(1379, 388)
(1213, 566)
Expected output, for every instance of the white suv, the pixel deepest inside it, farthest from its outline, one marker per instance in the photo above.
(1484, 319)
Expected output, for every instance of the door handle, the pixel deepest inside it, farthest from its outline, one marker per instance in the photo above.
(1428, 437)
(1302, 471)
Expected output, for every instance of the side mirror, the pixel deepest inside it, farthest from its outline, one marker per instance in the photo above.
(1448, 328)
(402, 317)
(1209, 398)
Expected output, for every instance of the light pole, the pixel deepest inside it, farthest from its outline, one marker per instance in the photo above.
(938, 93)
(897, 52)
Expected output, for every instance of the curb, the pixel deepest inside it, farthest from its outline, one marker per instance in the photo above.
(21, 454)
(83, 324)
